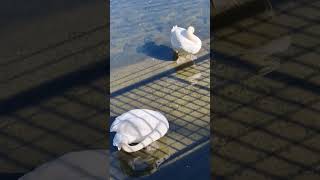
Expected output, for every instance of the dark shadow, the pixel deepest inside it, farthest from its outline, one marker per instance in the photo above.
(53, 87)
(157, 76)
(111, 135)
(218, 178)
(15, 11)
(11, 176)
(161, 52)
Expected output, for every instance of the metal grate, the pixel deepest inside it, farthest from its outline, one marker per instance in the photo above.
(183, 101)
(265, 125)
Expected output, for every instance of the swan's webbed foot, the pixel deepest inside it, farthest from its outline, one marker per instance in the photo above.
(191, 57)
(181, 60)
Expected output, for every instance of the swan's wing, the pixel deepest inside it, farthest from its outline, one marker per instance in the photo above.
(179, 40)
(157, 116)
(135, 118)
(188, 45)
(149, 118)
(191, 48)
(176, 44)
(176, 37)
(114, 126)
(131, 131)
(141, 121)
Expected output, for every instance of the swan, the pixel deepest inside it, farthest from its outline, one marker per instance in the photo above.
(142, 126)
(184, 40)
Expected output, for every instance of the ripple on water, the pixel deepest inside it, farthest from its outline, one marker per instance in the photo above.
(133, 21)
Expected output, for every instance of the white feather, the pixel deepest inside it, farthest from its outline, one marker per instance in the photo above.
(180, 41)
(136, 126)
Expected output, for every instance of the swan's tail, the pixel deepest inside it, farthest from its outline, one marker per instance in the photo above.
(174, 28)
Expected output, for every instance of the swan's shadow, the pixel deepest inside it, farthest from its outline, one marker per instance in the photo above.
(112, 134)
(161, 52)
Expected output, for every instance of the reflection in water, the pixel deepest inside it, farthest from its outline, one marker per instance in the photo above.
(145, 161)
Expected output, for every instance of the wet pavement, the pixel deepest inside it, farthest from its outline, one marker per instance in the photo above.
(182, 94)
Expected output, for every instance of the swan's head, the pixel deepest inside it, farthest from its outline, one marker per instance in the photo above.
(119, 140)
(191, 29)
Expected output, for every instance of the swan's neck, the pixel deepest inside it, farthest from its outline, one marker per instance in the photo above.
(191, 37)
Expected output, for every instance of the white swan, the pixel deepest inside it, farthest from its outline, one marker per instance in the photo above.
(183, 40)
(140, 126)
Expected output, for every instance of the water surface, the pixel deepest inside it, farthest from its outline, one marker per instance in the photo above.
(140, 29)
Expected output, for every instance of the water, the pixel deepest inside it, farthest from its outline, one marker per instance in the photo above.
(140, 29)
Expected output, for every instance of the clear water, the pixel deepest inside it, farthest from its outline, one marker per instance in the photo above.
(140, 29)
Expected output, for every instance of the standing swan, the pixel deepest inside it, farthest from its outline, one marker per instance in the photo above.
(183, 40)
(140, 126)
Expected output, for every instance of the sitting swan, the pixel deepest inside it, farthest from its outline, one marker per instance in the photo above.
(183, 40)
(140, 126)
